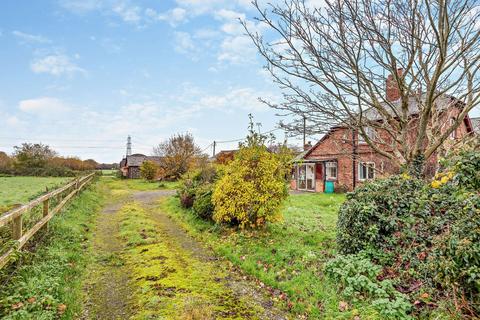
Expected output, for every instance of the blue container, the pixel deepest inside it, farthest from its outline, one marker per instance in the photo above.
(329, 187)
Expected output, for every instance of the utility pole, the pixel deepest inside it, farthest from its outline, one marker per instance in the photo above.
(129, 146)
(304, 131)
(214, 145)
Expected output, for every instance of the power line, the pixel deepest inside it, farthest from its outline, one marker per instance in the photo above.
(76, 147)
(237, 140)
(206, 147)
(64, 140)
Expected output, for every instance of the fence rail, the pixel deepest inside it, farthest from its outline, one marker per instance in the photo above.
(15, 216)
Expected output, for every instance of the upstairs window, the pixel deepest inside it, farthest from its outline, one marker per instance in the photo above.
(369, 132)
(366, 171)
(331, 170)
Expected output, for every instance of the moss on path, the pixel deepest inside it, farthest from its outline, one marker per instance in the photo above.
(147, 267)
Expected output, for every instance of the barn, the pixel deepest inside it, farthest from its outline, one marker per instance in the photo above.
(130, 165)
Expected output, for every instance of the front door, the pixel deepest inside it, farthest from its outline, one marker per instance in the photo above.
(306, 177)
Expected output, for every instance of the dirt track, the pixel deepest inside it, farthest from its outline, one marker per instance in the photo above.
(110, 289)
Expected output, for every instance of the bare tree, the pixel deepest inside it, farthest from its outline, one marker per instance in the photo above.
(177, 155)
(391, 66)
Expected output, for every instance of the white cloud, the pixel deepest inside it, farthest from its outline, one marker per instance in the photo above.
(236, 99)
(57, 65)
(206, 34)
(30, 38)
(184, 44)
(14, 121)
(198, 7)
(229, 14)
(80, 6)
(43, 105)
(174, 16)
(128, 13)
(237, 50)
(315, 4)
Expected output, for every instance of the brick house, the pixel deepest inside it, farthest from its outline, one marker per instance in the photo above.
(130, 165)
(342, 160)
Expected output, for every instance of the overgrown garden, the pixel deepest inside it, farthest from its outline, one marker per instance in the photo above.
(405, 247)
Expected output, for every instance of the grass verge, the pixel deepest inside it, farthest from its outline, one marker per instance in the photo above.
(47, 284)
(288, 256)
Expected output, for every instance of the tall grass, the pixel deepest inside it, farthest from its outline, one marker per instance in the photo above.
(46, 283)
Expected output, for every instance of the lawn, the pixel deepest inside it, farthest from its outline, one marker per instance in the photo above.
(288, 256)
(19, 190)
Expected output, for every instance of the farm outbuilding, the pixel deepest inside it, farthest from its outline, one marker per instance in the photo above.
(130, 165)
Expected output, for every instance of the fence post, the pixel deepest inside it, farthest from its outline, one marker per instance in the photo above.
(77, 184)
(45, 210)
(17, 228)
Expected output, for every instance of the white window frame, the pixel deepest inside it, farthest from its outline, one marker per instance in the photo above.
(370, 132)
(308, 176)
(328, 165)
(368, 165)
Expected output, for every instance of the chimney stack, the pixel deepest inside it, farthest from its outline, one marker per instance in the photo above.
(392, 90)
(307, 146)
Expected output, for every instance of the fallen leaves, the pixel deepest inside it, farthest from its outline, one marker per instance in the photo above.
(17, 305)
(61, 308)
(342, 306)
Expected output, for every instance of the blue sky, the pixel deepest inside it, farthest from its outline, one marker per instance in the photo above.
(81, 75)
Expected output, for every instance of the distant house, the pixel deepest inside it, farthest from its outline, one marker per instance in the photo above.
(225, 156)
(341, 160)
(130, 165)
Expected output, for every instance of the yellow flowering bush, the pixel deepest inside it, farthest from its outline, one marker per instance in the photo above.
(253, 186)
(442, 179)
(252, 189)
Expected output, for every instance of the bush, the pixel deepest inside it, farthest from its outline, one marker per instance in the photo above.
(425, 235)
(455, 258)
(186, 193)
(375, 212)
(359, 278)
(148, 170)
(252, 189)
(195, 183)
(203, 206)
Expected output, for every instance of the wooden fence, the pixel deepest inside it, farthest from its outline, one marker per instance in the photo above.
(15, 216)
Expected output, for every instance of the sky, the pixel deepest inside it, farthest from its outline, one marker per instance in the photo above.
(82, 75)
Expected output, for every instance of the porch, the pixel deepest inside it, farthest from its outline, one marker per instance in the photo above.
(314, 176)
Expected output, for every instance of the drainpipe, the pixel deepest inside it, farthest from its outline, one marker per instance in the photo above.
(354, 158)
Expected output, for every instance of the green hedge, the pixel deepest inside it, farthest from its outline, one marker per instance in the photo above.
(424, 235)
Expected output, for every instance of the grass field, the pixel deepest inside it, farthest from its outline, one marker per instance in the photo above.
(19, 190)
(287, 256)
(111, 172)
